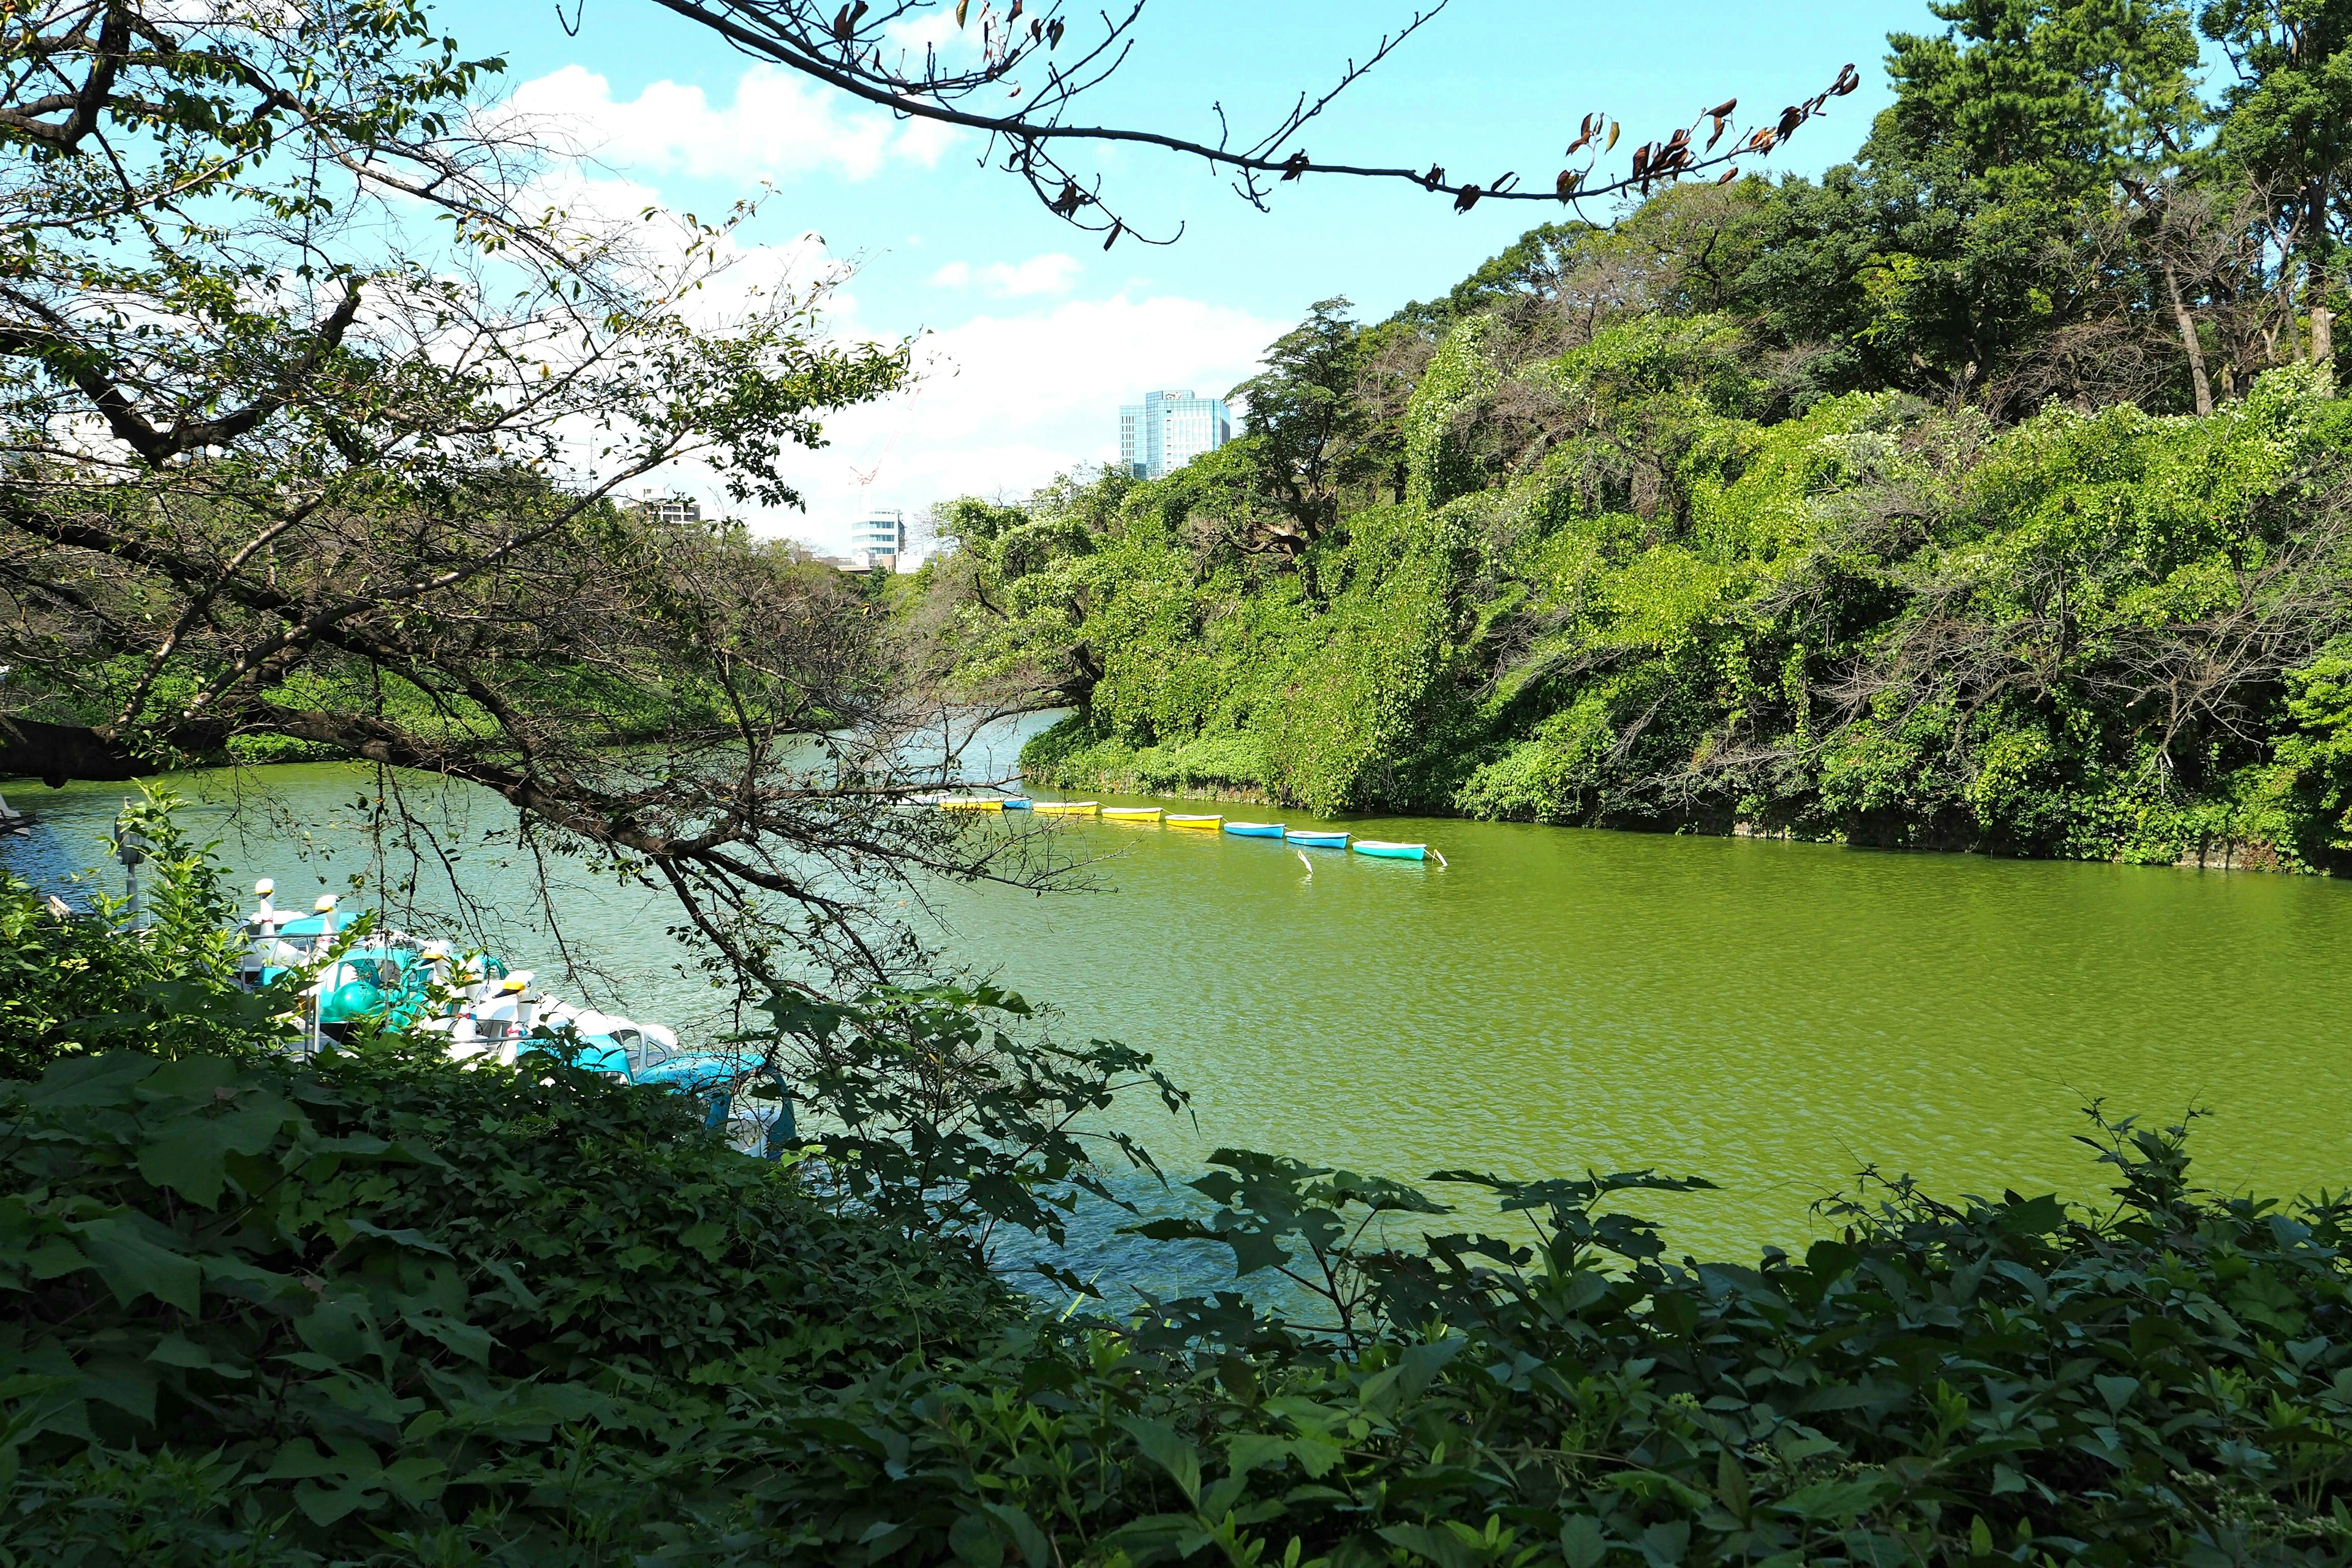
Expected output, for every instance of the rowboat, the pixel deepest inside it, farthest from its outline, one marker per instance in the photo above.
(1316, 839)
(1382, 849)
(1255, 829)
(1016, 803)
(1132, 813)
(965, 805)
(1066, 807)
(1198, 824)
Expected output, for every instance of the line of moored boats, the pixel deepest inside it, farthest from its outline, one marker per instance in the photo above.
(356, 978)
(1312, 838)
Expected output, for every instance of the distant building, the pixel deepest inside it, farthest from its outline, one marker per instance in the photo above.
(1168, 431)
(673, 509)
(879, 539)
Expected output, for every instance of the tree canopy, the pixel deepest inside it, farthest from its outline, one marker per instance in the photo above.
(321, 410)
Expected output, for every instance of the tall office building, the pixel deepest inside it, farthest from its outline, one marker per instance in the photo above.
(879, 539)
(1168, 431)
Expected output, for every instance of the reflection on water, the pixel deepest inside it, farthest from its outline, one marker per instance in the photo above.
(1770, 1016)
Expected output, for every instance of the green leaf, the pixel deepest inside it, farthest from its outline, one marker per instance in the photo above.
(1731, 1485)
(1170, 1452)
(1248, 1451)
(410, 1240)
(197, 1078)
(1582, 1540)
(133, 1266)
(1439, 1546)
(79, 1081)
(326, 1507)
(2117, 1391)
(1834, 1499)
(299, 1460)
(473, 1343)
(971, 1540)
(178, 1350)
(1036, 1549)
(189, 1157)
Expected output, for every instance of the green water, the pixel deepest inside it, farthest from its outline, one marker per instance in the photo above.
(1770, 1016)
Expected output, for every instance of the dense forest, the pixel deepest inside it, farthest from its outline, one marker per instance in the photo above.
(1988, 492)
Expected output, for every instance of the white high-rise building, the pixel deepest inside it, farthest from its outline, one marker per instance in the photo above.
(1168, 431)
(879, 539)
(656, 506)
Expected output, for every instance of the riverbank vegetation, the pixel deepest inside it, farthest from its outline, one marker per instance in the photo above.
(324, 407)
(1989, 491)
(274, 483)
(373, 1307)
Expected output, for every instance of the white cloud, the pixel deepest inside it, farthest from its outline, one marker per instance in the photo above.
(778, 126)
(740, 279)
(1006, 401)
(1050, 273)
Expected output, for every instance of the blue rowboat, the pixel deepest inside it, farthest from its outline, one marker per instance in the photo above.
(1382, 849)
(1255, 829)
(1315, 839)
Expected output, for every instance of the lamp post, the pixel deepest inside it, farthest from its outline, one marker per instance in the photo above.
(130, 847)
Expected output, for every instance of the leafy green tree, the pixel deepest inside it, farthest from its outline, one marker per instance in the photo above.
(1306, 414)
(321, 423)
(2059, 100)
(2287, 122)
(2007, 128)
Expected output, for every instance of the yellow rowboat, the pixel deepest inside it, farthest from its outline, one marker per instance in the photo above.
(971, 805)
(1132, 813)
(1198, 824)
(1066, 807)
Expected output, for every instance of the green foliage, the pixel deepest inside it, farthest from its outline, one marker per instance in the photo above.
(2050, 99)
(2288, 115)
(1438, 465)
(377, 1307)
(941, 1107)
(76, 984)
(344, 1308)
(1873, 621)
(1861, 508)
(1998, 1381)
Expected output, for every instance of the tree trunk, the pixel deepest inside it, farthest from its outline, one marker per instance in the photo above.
(2187, 325)
(2323, 339)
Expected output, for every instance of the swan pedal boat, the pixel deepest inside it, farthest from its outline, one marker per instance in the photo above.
(483, 1013)
(1255, 829)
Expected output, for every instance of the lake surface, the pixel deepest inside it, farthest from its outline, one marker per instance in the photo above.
(1770, 1015)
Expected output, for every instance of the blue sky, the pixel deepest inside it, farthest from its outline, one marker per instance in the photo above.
(1032, 336)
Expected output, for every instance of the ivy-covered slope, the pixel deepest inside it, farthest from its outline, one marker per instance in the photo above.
(2099, 634)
